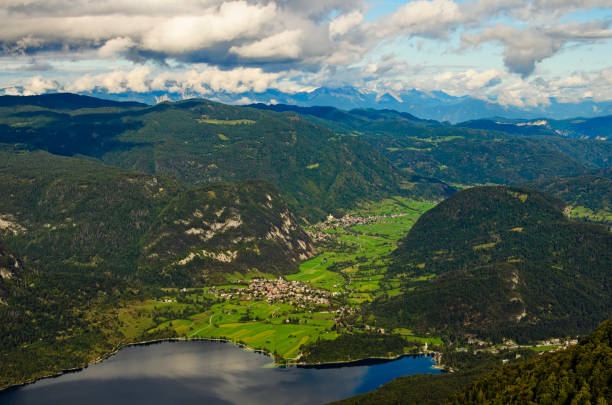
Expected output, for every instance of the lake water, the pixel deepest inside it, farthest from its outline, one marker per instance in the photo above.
(205, 372)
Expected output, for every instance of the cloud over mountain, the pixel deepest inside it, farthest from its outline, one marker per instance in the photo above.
(122, 45)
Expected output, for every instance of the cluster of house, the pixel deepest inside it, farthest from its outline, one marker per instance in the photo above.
(279, 290)
(350, 220)
(344, 222)
(559, 342)
(554, 344)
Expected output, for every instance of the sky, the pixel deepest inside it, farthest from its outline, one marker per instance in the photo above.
(517, 52)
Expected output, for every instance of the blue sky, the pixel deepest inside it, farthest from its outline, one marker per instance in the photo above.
(518, 52)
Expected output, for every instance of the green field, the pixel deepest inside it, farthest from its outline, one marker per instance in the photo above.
(359, 253)
(276, 328)
(225, 122)
(352, 265)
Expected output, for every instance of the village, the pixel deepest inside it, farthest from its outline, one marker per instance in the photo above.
(279, 290)
(344, 222)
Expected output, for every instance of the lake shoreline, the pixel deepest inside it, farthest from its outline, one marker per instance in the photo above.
(322, 365)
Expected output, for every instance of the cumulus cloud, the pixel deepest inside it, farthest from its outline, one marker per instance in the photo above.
(32, 86)
(344, 23)
(205, 80)
(523, 48)
(114, 82)
(284, 45)
(229, 21)
(429, 18)
(116, 46)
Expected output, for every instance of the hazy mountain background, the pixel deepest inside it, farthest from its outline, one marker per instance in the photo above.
(436, 105)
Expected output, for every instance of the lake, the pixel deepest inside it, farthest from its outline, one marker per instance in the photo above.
(207, 372)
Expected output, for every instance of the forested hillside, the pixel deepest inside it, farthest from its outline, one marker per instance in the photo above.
(201, 142)
(594, 128)
(507, 263)
(579, 375)
(11, 269)
(459, 154)
(79, 239)
(73, 215)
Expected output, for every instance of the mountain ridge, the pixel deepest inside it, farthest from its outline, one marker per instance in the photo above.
(436, 105)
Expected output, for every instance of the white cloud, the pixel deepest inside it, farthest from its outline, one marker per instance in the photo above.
(229, 21)
(344, 23)
(284, 45)
(114, 47)
(114, 82)
(252, 45)
(32, 86)
(429, 18)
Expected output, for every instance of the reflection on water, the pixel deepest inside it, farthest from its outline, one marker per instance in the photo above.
(210, 373)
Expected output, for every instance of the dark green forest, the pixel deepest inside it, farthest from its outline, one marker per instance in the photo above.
(459, 154)
(201, 142)
(508, 263)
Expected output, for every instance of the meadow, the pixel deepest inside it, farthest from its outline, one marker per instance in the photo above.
(351, 264)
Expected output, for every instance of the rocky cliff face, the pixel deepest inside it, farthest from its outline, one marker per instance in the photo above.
(225, 228)
(10, 268)
(65, 214)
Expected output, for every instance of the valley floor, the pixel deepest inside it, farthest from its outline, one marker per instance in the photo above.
(281, 316)
(349, 270)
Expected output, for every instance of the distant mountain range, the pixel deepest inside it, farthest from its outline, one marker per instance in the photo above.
(435, 105)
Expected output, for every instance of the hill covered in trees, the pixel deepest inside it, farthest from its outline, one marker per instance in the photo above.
(73, 215)
(11, 268)
(577, 374)
(501, 262)
(460, 154)
(201, 142)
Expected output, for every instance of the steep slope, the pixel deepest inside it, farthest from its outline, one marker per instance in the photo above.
(67, 214)
(209, 231)
(580, 374)
(202, 142)
(507, 263)
(10, 269)
(589, 197)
